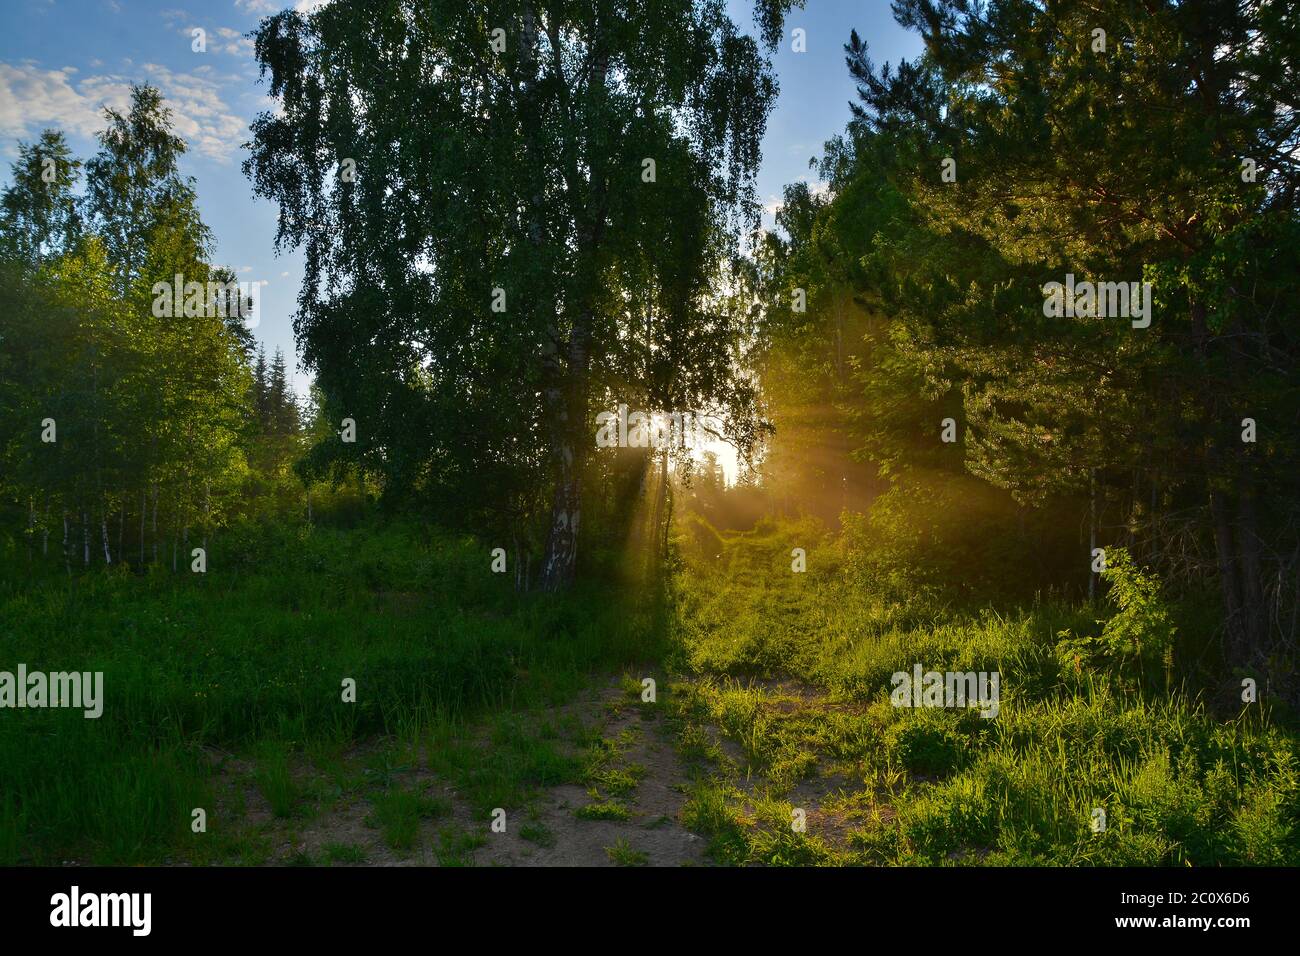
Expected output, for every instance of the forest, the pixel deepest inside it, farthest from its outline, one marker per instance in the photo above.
(953, 520)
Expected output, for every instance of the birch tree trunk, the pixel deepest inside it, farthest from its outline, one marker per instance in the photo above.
(568, 455)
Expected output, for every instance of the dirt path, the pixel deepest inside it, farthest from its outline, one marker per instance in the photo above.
(651, 834)
(388, 805)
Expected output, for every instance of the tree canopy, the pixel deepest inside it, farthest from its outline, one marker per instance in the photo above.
(525, 207)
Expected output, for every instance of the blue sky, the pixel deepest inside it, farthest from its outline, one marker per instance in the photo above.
(61, 61)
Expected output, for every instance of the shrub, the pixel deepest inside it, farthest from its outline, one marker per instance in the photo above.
(1138, 640)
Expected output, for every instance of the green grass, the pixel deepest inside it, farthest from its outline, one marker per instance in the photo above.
(249, 659)
(398, 812)
(275, 780)
(344, 853)
(456, 847)
(607, 773)
(524, 758)
(537, 833)
(604, 810)
(622, 854)
(774, 686)
(793, 671)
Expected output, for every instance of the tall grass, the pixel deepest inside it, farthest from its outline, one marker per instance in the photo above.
(1179, 783)
(251, 658)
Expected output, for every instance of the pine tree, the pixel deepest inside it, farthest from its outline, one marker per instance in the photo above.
(282, 405)
(261, 414)
(1113, 142)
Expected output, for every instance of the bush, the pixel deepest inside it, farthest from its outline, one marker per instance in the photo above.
(1136, 641)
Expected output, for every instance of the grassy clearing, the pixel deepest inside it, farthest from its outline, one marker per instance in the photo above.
(783, 704)
(249, 662)
(224, 692)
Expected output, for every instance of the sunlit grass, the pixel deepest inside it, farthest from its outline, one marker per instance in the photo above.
(793, 672)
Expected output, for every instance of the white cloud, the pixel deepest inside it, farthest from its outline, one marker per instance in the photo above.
(265, 7)
(32, 99)
(199, 113)
(222, 40)
(819, 188)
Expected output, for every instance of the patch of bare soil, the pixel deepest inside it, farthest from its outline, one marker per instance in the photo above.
(652, 828)
(546, 832)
